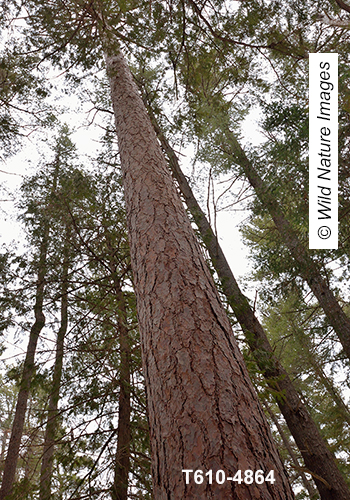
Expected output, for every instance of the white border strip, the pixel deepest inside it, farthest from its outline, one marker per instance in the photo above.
(323, 151)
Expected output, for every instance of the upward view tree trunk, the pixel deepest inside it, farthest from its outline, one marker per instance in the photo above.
(4, 437)
(51, 425)
(317, 457)
(6, 421)
(27, 375)
(122, 458)
(203, 410)
(314, 361)
(307, 267)
(307, 484)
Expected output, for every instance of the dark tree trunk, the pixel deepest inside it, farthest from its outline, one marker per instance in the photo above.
(27, 374)
(316, 364)
(6, 432)
(51, 425)
(307, 267)
(307, 484)
(122, 458)
(203, 410)
(317, 457)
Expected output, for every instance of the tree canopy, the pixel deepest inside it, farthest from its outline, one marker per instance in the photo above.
(83, 411)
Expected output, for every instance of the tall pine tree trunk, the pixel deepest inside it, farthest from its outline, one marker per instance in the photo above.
(317, 457)
(307, 268)
(27, 374)
(51, 425)
(203, 410)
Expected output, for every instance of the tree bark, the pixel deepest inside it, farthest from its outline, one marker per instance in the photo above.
(317, 457)
(51, 425)
(203, 410)
(27, 374)
(306, 266)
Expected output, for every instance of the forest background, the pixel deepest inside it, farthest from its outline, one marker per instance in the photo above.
(202, 69)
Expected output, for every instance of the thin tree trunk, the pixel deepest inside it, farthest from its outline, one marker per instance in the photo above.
(122, 458)
(119, 490)
(314, 362)
(27, 374)
(332, 391)
(51, 425)
(5, 434)
(317, 457)
(6, 426)
(4, 437)
(28, 457)
(308, 486)
(203, 410)
(307, 267)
